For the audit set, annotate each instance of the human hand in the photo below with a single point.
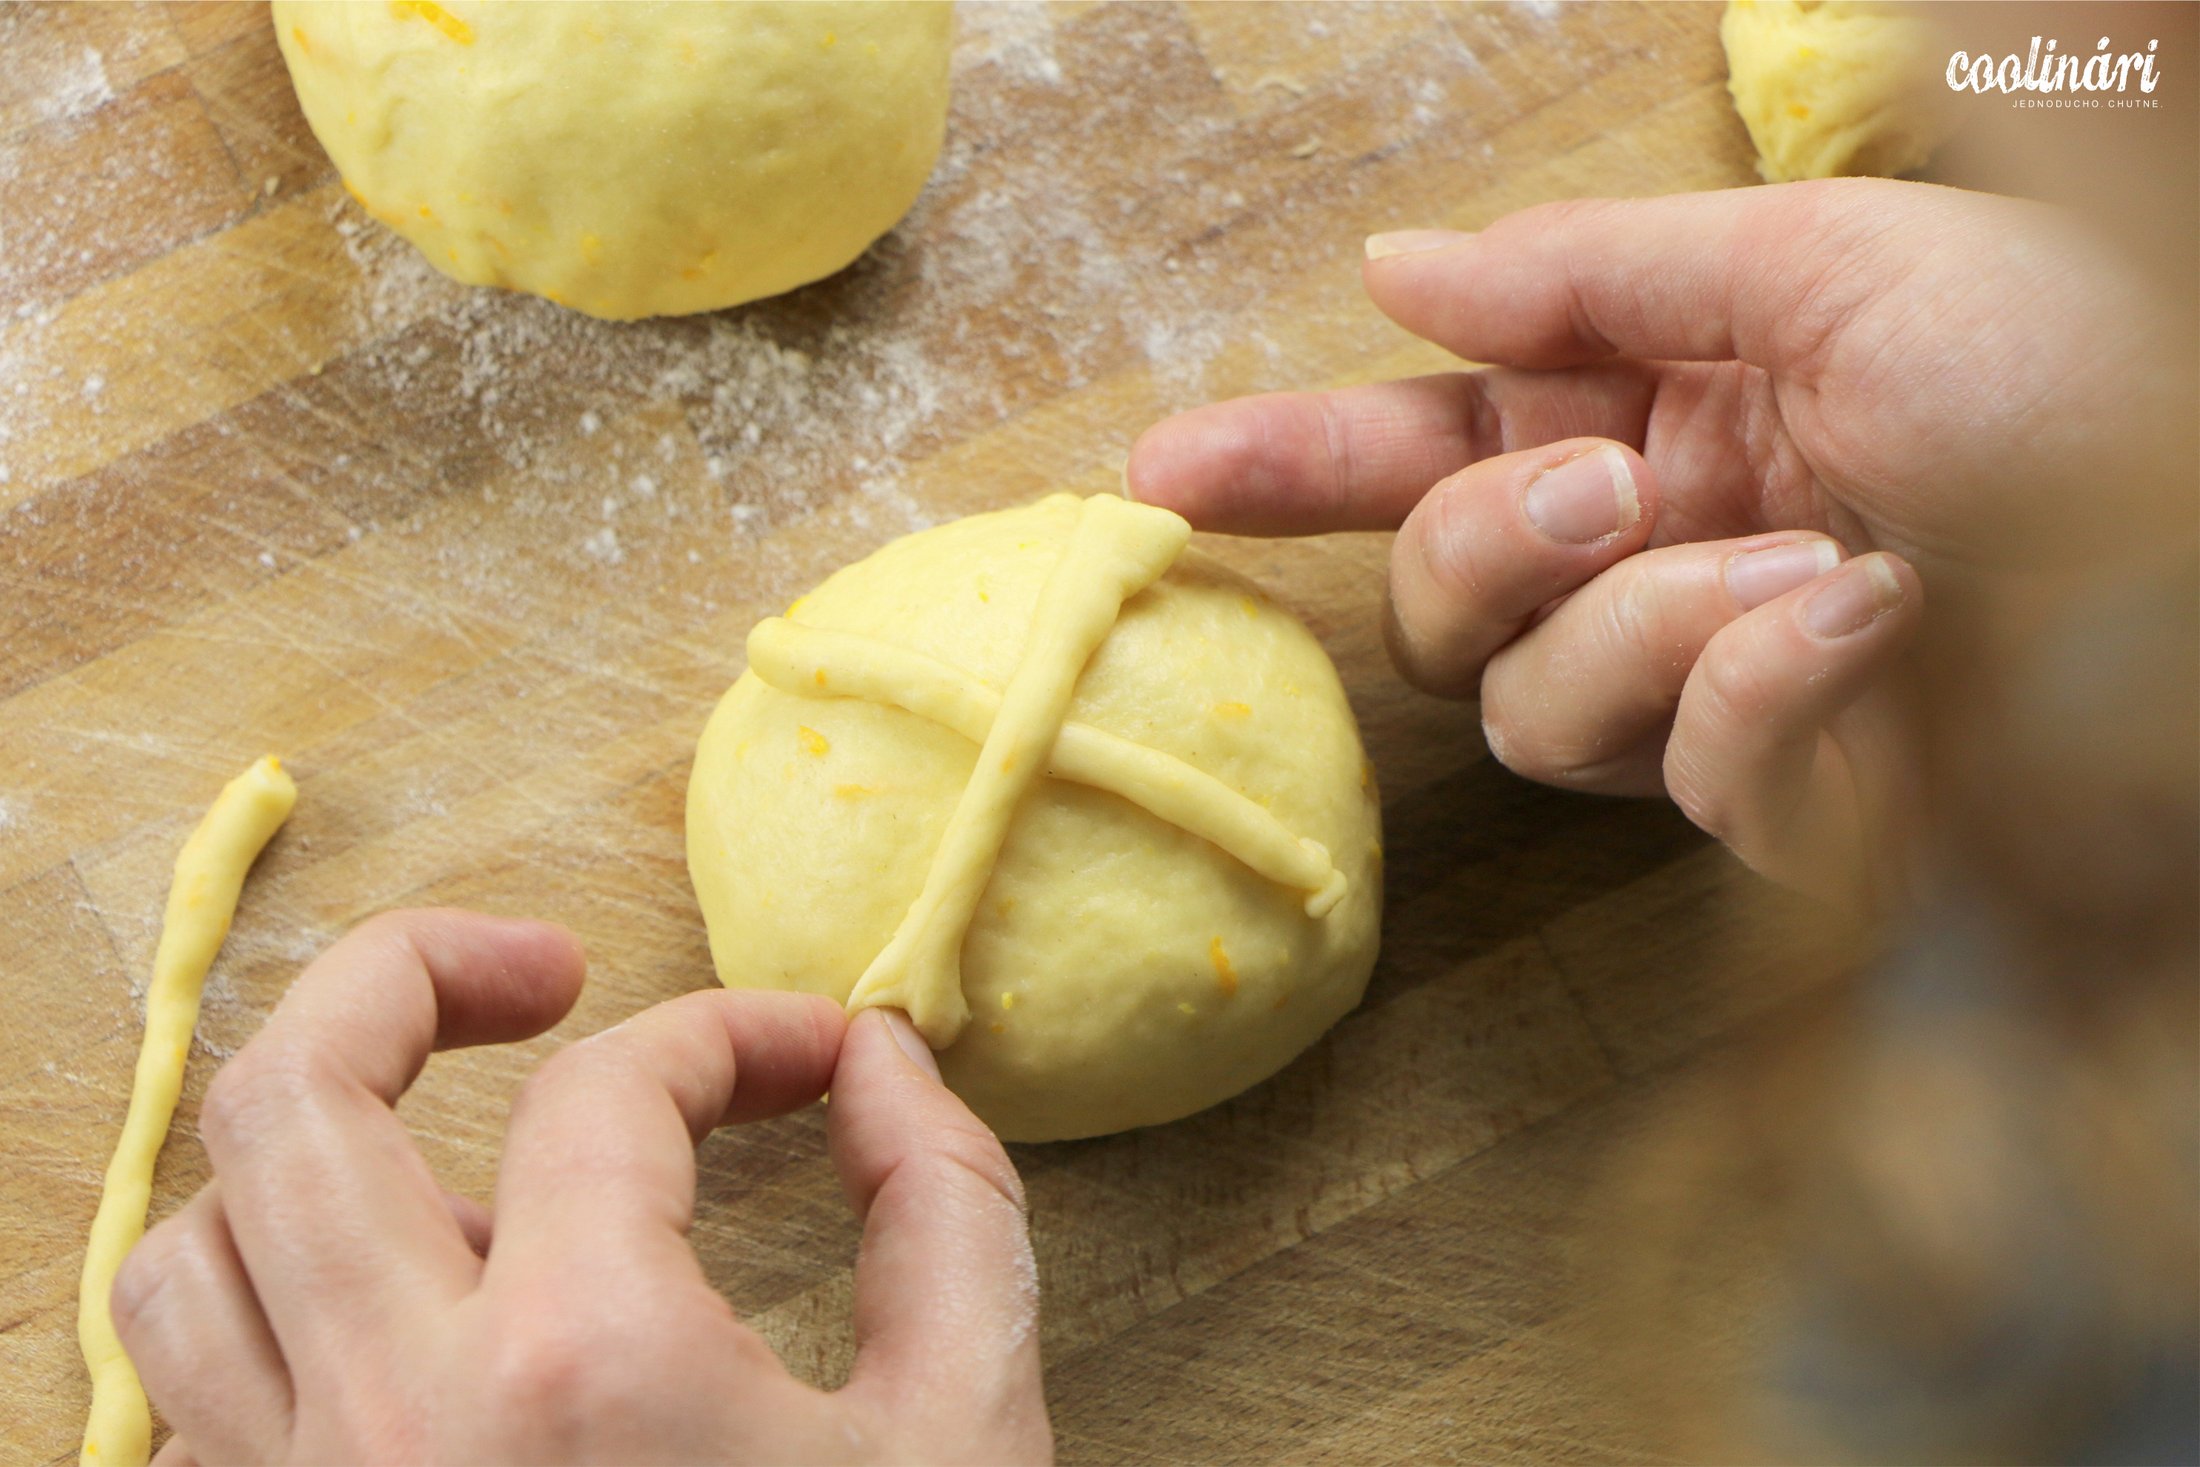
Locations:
(1670, 539)
(323, 1300)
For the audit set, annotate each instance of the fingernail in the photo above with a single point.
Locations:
(911, 1042)
(1412, 241)
(1865, 591)
(1756, 576)
(1584, 499)
(1125, 477)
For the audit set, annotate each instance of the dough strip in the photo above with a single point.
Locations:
(1116, 550)
(814, 662)
(210, 873)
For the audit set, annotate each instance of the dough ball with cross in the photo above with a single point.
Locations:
(1092, 810)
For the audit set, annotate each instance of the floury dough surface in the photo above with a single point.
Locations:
(1118, 969)
(625, 159)
(1836, 89)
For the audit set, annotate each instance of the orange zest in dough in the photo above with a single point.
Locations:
(436, 16)
(813, 742)
(1225, 976)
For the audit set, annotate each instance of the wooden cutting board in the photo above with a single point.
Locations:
(477, 568)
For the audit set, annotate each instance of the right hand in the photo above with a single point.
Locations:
(1669, 540)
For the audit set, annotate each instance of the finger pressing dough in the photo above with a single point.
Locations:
(202, 899)
(1092, 810)
(627, 159)
(1835, 88)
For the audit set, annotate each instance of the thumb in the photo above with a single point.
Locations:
(947, 1298)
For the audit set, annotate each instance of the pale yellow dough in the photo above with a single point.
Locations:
(627, 159)
(202, 899)
(1835, 89)
(1158, 882)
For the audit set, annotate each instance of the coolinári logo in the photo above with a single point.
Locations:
(2060, 78)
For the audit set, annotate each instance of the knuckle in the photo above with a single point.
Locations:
(1558, 216)
(548, 1371)
(395, 930)
(1635, 625)
(1518, 740)
(1337, 447)
(145, 1270)
(391, 926)
(1725, 698)
(558, 1363)
(973, 1152)
(258, 1083)
(1501, 730)
(1729, 689)
(1697, 790)
(567, 1070)
(1437, 605)
(1446, 543)
(1404, 647)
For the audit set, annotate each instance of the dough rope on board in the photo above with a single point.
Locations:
(1092, 810)
(202, 900)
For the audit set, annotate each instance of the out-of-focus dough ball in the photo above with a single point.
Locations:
(1119, 971)
(1835, 89)
(627, 159)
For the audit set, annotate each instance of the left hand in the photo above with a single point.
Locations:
(323, 1300)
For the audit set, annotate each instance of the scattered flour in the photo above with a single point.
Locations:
(604, 546)
(1033, 266)
(78, 86)
(1028, 267)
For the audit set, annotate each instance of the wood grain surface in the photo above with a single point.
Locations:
(478, 568)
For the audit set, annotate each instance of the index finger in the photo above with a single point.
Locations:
(946, 1289)
(599, 1159)
(339, 1221)
(1360, 458)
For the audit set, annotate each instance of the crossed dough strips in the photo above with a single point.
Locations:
(1116, 550)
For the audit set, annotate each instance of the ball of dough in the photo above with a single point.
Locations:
(627, 160)
(1119, 969)
(1835, 89)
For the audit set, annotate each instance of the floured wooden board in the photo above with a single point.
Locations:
(478, 568)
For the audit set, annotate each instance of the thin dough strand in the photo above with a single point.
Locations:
(1117, 550)
(210, 873)
(813, 662)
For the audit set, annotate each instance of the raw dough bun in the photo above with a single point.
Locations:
(1835, 89)
(627, 159)
(1119, 972)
